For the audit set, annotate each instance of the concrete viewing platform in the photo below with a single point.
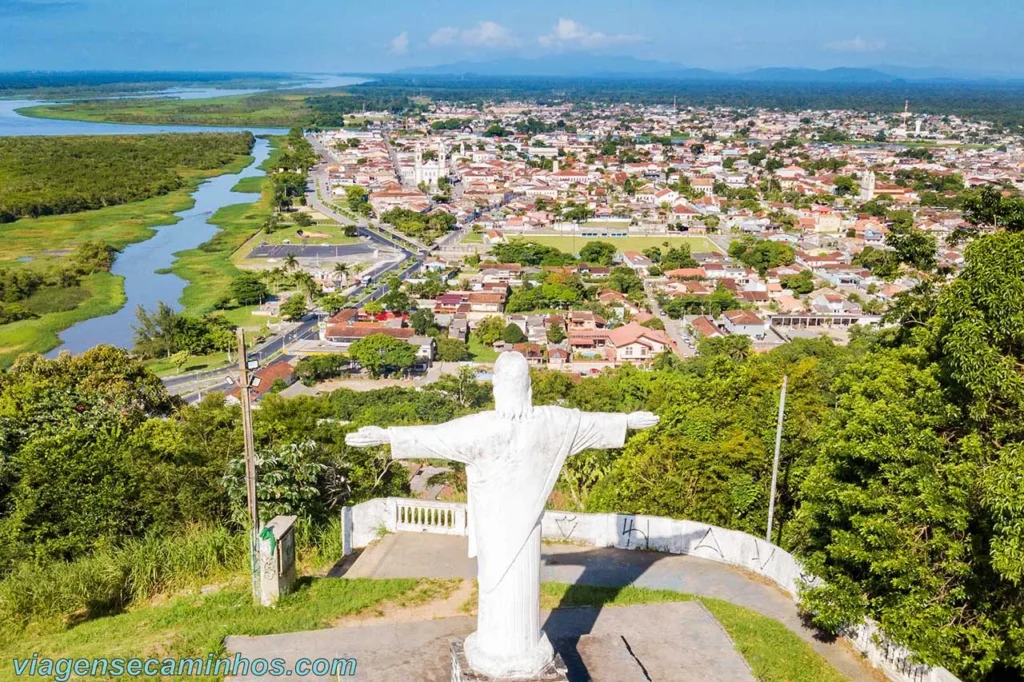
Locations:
(674, 641)
(426, 555)
(681, 642)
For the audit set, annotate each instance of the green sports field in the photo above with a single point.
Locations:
(569, 245)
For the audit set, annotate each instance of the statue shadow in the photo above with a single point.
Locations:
(607, 574)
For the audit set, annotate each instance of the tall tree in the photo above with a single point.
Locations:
(380, 354)
(156, 332)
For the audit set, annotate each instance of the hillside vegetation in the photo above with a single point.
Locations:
(900, 481)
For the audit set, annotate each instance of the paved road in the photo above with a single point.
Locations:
(676, 329)
(376, 232)
(424, 555)
(190, 386)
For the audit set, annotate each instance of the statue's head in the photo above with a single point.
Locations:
(513, 396)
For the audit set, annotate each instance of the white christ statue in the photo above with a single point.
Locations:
(513, 456)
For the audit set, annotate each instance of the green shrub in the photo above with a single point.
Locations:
(57, 592)
(56, 299)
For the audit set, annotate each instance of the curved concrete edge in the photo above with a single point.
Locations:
(366, 522)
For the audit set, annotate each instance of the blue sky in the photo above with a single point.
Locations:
(380, 35)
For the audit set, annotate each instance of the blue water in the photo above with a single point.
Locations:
(139, 262)
(13, 123)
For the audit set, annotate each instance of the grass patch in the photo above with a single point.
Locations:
(335, 235)
(480, 352)
(56, 299)
(105, 297)
(260, 109)
(252, 184)
(245, 316)
(622, 244)
(563, 595)
(774, 652)
(473, 238)
(196, 625)
(195, 363)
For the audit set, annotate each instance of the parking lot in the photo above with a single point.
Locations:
(310, 251)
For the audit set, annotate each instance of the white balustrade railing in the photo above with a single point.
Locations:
(427, 516)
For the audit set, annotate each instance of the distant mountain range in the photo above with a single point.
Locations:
(605, 66)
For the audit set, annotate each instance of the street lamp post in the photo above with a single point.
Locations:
(775, 464)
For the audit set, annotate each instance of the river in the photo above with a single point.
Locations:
(139, 262)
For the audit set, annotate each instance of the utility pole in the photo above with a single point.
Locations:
(775, 466)
(250, 466)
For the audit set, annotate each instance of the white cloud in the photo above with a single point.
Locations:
(857, 44)
(446, 35)
(571, 34)
(400, 43)
(486, 34)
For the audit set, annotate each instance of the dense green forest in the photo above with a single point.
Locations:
(901, 478)
(53, 175)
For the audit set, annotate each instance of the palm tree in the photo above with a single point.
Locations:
(305, 281)
(291, 262)
(273, 277)
(341, 269)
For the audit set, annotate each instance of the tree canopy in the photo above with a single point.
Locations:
(50, 175)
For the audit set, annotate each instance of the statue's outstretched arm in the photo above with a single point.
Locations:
(368, 436)
(642, 420)
(607, 430)
(451, 441)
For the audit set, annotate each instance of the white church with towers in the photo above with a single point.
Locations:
(429, 172)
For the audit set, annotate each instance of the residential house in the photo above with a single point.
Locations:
(705, 328)
(263, 380)
(638, 262)
(744, 322)
(635, 343)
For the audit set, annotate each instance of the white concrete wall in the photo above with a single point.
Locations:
(363, 523)
(636, 531)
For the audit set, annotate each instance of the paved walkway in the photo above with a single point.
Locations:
(424, 555)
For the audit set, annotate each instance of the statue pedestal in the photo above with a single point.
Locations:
(461, 672)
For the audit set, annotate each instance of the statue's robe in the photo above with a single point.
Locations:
(512, 464)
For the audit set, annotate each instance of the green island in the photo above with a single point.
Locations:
(51, 273)
(264, 110)
(53, 85)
